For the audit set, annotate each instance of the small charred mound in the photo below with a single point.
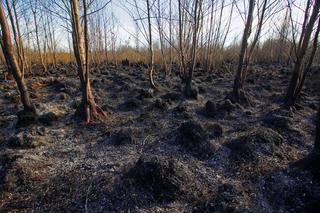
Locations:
(228, 198)
(150, 120)
(59, 86)
(165, 177)
(124, 136)
(161, 104)
(29, 138)
(214, 130)
(244, 98)
(182, 107)
(283, 119)
(220, 109)
(278, 119)
(202, 90)
(195, 138)
(172, 96)
(145, 94)
(131, 104)
(312, 82)
(210, 109)
(183, 110)
(26, 118)
(6, 163)
(253, 145)
(48, 118)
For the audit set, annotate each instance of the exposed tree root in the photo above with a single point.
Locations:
(27, 116)
(90, 111)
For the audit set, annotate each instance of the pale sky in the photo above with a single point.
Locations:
(126, 30)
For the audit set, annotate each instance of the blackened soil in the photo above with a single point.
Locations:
(157, 151)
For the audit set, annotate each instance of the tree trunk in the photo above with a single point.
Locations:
(151, 53)
(317, 141)
(240, 77)
(16, 38)
(293, 88)
(170, 38)
(88, 107)
(192, 58)
(309, 64)
(12, 63)
(38, 41)
(181, 48)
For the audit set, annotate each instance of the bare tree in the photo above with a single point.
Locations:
(34, 8)
(12, 63)
(151, 52)
(16, 35)
(240, 75)
(180, 37)
(297, 78)
(197, 9)
(88, 108)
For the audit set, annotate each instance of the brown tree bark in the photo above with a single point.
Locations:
(297, 74)
(16, 37)
(192, 58)
(240, 76)
(36, 25)
(13, 65)
(88, 108)
(181, 49)
(151, 53)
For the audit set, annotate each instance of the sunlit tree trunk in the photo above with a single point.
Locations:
(151, 53)
(88, 107)
(16, 35)
(12, 63)
(36, 25)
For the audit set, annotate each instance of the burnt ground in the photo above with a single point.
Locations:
(157, 151)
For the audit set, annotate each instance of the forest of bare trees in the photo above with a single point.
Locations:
(182, 100)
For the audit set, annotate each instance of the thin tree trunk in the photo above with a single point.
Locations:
(16, 38)
(239, 80)
(11, 60)
(170, 38)
(317, 140)
(192, 62)
(38, 41)
(181, 49)
(292, 91)
(310, 60)
(88, 107)
(151, 53)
